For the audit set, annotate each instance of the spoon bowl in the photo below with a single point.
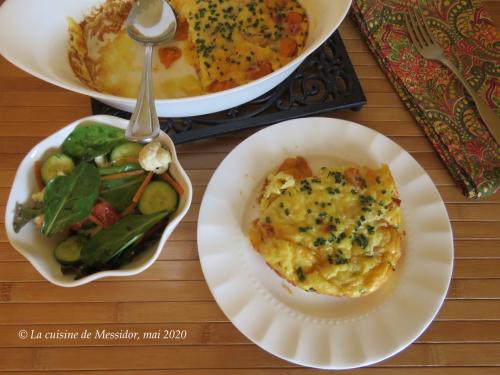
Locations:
(150, 22)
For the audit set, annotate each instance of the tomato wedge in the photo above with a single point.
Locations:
(260, 69)
(287, 47)
(217, 86)
(105, 213)
(169, 55)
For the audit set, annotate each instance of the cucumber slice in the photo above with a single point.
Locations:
(127, 152)
(68, 251)
(56, 165)
(119, 169)
(158, 196)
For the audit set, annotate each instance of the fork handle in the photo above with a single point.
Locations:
(490, 119)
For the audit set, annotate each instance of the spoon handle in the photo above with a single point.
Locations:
(144, 126)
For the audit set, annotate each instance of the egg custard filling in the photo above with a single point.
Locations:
(338, 232)
(219, 44)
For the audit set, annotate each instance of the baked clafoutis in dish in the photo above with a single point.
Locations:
(219, 44)
(338, 232)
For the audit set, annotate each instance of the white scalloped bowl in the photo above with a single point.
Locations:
(38, 249)
(41, 50)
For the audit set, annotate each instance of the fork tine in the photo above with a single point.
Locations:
(425, 27)
(418, 27)
(410, 24)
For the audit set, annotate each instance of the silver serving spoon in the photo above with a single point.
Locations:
(150, 22)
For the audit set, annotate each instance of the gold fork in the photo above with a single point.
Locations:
(425, 44)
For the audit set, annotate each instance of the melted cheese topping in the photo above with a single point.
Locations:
(337, 233)
(117, 78)
(219, 45)
(235, 42)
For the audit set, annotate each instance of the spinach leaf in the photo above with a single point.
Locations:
(91, 139)
(127, 255)
(24, 214)
(69, 199)
(111, 241)
(119, 192)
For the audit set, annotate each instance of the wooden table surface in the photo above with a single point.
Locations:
(172, 294)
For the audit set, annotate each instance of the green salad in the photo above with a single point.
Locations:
(106, 197)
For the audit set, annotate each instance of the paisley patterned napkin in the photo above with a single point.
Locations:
(429, 90)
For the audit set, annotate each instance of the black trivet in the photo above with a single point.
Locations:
(324, 82)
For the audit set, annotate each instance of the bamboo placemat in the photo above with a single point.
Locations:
(464, 338)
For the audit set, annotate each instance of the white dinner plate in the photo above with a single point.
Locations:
(307, 328)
